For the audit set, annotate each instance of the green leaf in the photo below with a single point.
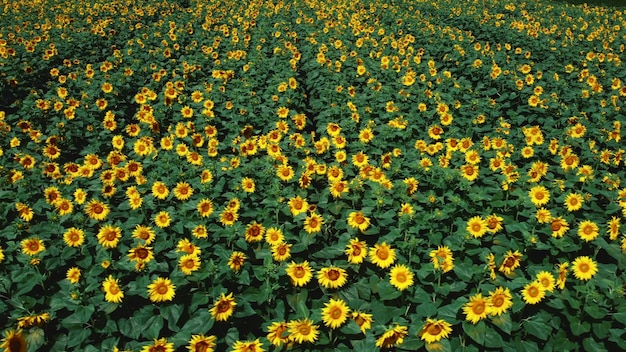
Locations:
(595, 311)
(76, 337)
(298, 303)
(590, 344)
(442, 345)
(503, 322)
(351, 328)
(537, 327)
(35, 338)
(152, 327)
(476, 331)
(579, 327)
(199, 323)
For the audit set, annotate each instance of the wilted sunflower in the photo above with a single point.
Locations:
(223, 308)
(435, 330)
(161, 290)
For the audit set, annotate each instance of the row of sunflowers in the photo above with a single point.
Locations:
(311, 175)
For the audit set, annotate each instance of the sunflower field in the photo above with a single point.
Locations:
(312, 175)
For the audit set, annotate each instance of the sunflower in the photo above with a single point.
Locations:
(539, 195)
(281, 251)
(145, 233)
(573, 201)
(201, 343)
(28, 321)
(224, 307)
(32, 246)
(186, 246)
(162, 219)
(183, 191)
(228, 217)
(13, 341)
(205, 208)
(303, 330)
(200, 231)
(278, 333)
(382, 255)
(533, 293)
(613, 228)
(338, 188)
(392, 337)
(500, 301)
(73, 275)
(435, 330)
(559, 227)
(494, 223)
(254, 232)
(543, 216)
(357, 220)
(160, 190)
(247, 346)
(442, 258)
(546, 280)
(313, 223)
(64, 206)
(97, 210)
(1, 255)
(335, 313)
(401, 277)
(300, 274)
(236, 260)
(588, 230)
(477, 226)
(160, 345)
(511, 262)
(112, 291)
(363, 320)
(274, 236)
(26, 213)
(297, 205)
(161, 290)
(285, 172)
(74, 237)
(332, 277)
(476, 309)
(584, 268)
(109, 236)
(469, 172)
